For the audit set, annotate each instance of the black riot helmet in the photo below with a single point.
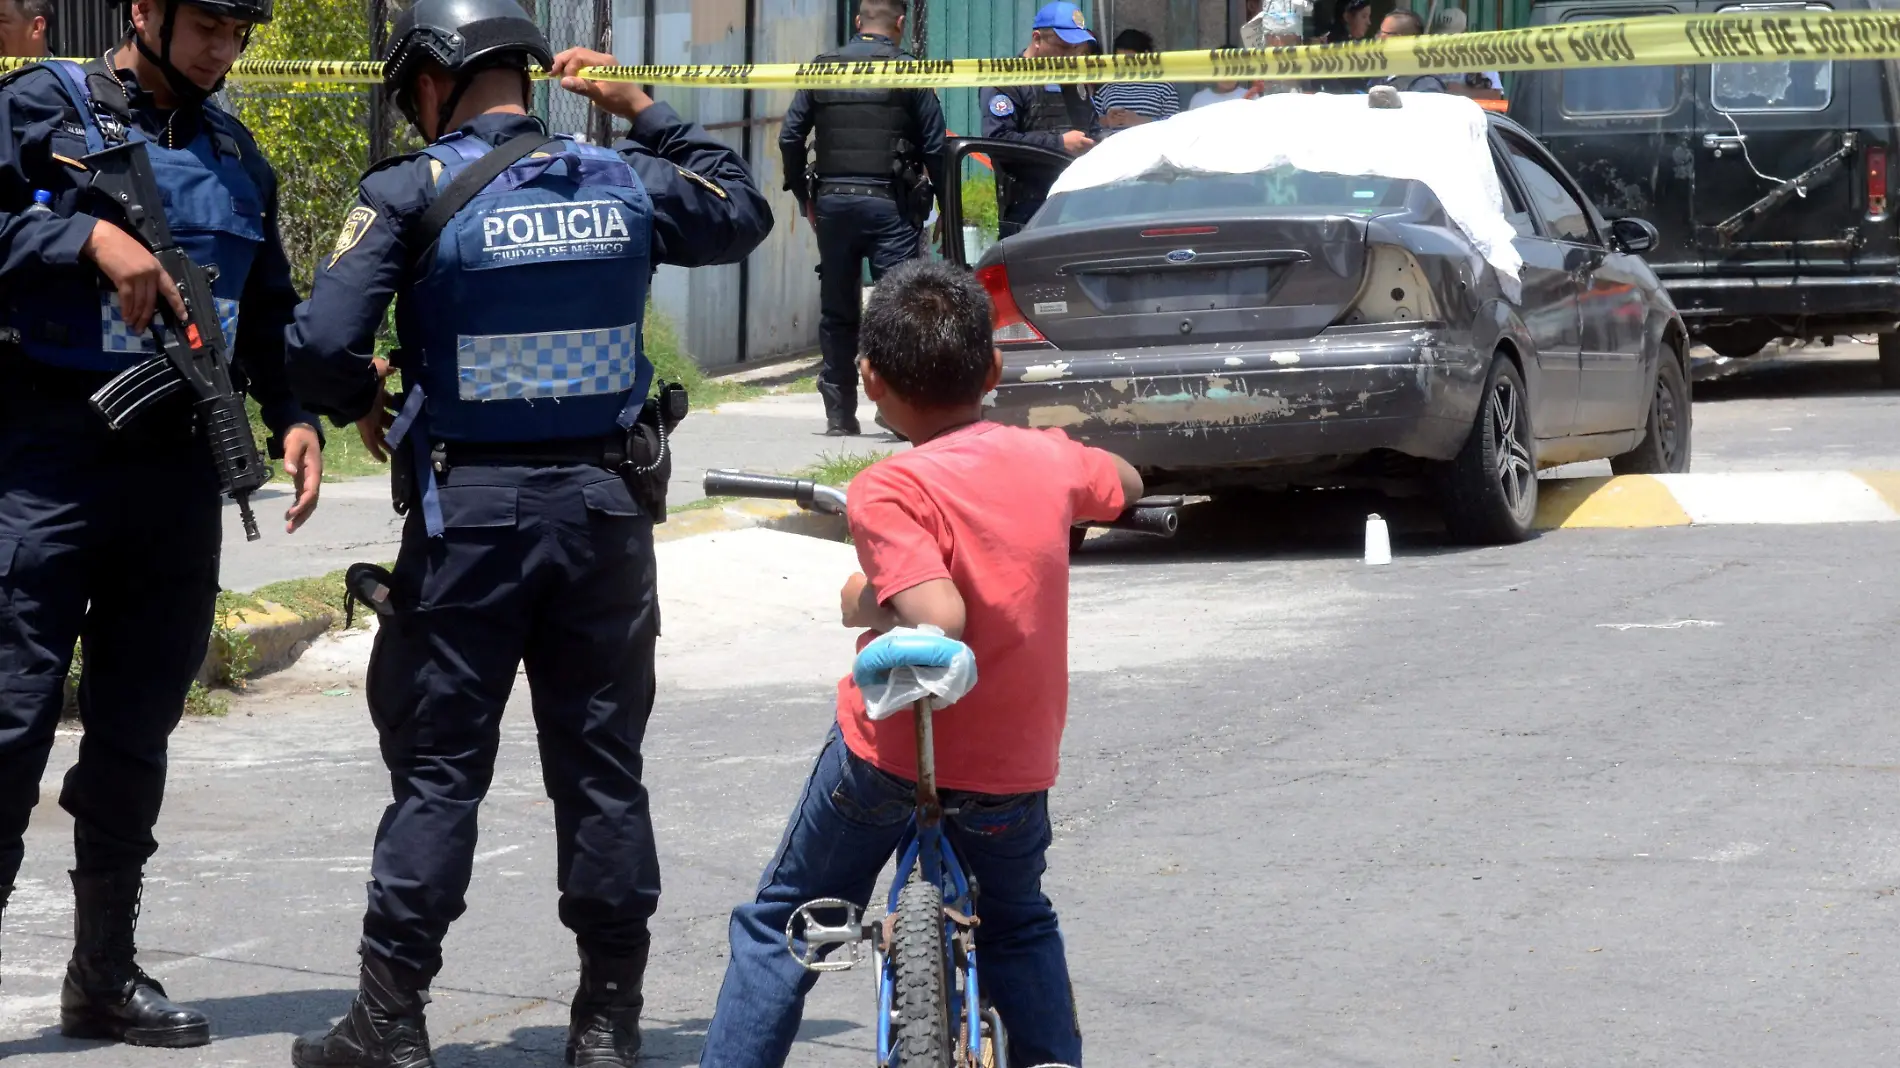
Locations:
(189, 92)
(464, 38)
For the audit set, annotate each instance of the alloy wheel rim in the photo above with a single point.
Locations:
(1516, 473)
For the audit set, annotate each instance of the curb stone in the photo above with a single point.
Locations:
(738, 515)
(277, 637)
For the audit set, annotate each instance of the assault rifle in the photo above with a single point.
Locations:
(192, 353)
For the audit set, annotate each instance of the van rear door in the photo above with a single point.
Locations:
(1626, 134)
(1781, 165)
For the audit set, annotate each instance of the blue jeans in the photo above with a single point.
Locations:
(846, 826)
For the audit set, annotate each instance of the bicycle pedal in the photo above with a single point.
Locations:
(817, 937)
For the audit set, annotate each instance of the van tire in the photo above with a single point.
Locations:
(1665, 446)
(1486, 498)
(1890, 361)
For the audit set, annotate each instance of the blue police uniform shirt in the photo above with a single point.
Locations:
(37, 120)
(705, 209)
(1007, 111)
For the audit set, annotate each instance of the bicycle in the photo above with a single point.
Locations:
(931, 1008)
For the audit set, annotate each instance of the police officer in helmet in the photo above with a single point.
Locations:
(877, 165)
(1058, 117)
(531, 476)
(115, 535)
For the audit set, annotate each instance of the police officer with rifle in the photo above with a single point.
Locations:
(143, 291)
(531, 466)
(1057, 117)
(876, 166)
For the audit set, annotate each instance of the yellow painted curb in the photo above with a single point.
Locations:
(265, 614)
(1885, 483)
(1623, 501)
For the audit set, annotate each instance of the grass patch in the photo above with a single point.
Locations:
(839, 469)
(703, 504)
(672, 363)
(808, 384)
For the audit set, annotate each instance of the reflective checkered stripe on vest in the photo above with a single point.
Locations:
(530, 312)
(216, 215)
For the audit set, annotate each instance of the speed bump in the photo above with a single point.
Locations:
(1719, 499)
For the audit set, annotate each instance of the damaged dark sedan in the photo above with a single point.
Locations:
(1228, 328)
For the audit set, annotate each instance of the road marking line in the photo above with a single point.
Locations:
(1778, 497)
(1885, 483)
(1625, 501)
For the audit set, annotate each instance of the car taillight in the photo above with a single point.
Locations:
(1876, 180)
(1007, 323)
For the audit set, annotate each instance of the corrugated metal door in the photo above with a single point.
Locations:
(969, 29)
(769, 306)
(782, 285)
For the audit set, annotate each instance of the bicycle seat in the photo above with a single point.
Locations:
(906, 665)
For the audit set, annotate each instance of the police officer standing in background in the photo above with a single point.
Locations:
(114, 535)
(532, 476)
(1057, 117)
(878, 166)
(25, 28)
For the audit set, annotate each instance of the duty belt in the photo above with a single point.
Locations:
(610, 452)
(827, 187)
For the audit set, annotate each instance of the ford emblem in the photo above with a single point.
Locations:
(1181, 255)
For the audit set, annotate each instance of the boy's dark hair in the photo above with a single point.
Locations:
(926, 332)
(1133, 40)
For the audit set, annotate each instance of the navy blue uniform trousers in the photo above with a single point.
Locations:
(551, 567)
(852, 229)
(113, 538)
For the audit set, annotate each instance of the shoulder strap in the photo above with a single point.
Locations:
(467, 185)
(73, 78)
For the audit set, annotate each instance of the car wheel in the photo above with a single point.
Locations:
(1890, 361)
(1665, 446)
(1489, 491)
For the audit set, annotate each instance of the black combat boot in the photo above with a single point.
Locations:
(384, 1028)
(841, 409)
(604, 1025)
(106, 995)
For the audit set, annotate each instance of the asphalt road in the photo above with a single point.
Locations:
(1604, 798)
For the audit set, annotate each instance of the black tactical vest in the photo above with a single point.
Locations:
(861, 133)
(1060, 112)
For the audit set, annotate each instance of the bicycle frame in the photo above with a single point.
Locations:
(924, 846)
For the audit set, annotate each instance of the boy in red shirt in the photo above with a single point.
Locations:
(967, 531)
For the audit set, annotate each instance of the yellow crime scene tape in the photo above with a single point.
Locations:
(1656, 40)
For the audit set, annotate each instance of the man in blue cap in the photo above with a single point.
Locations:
(1057, 117)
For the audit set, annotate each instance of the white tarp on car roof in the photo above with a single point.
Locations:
(1435, 138)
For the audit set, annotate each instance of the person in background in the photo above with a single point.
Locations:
(1404, 22)
(1120, 105)
(1220, 92)
(1354, 24)
(1483, 85)
(1059, 117)
(25, 28)
(876, 167)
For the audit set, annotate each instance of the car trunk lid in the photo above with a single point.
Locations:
(1145, 284)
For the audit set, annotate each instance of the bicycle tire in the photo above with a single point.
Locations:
(921, 984)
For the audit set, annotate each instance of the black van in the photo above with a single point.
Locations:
(1766, 181)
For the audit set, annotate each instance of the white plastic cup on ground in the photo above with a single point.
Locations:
(1378, 541)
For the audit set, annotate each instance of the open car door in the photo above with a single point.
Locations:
(965, 240)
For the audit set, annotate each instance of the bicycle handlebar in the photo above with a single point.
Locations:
(804, 491)
(1161, 518)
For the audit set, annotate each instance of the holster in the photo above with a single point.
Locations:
(648, 465)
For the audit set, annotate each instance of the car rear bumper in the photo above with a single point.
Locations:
(1705, 300)
(1413, 391)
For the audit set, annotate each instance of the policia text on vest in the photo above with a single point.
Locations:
(866, 183)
